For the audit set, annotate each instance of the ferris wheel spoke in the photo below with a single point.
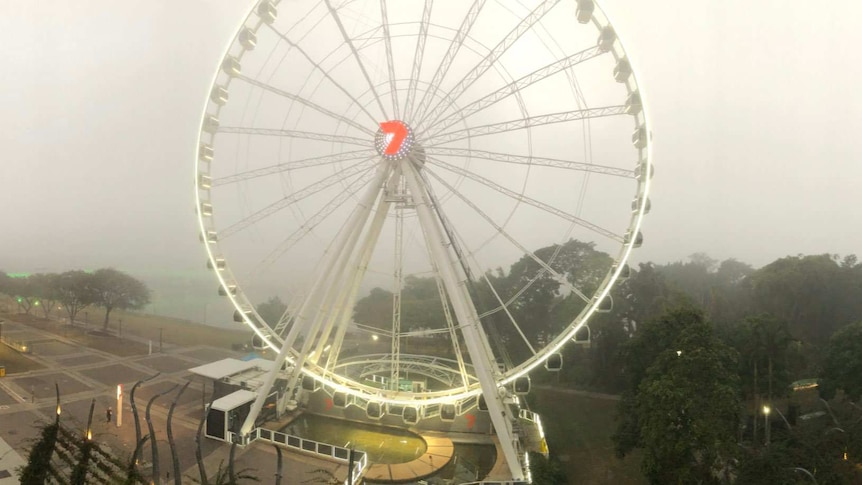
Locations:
(531, 161)
(298, 99)
(352, 171)
(505, 308)
(480, 69)
(449, 57)
(325, 73)
(314, 220)
(509, 237)
(525, 199)
(294, 165)
(457, 241)
(305, 135)
(334, 13)
(511, 88)
(418, 57)
(530, 122)
(390, 61)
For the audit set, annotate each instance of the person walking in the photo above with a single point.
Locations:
(108, 413)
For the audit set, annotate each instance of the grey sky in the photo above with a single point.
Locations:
(755, 109)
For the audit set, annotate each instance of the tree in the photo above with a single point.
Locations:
(115, 289)
(22, 289)
(5, 282)
(682, 402)
(842, 363)
(546, 471)
(75, 292)
(375, 310)
(773, 338)
(272, 310)
(45, 287)
(814, 294)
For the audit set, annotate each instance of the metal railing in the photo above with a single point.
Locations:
(338, 454)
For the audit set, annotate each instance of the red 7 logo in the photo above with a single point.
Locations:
(396, 133)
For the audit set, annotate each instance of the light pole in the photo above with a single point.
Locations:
(766, 410)
(782, 417)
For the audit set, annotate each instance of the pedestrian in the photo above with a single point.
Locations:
(108, 413)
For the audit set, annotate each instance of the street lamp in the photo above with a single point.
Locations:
(766, 410)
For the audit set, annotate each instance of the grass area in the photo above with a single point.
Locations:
(87, 331)
(578, 430)
(173, 330)
(15, 362)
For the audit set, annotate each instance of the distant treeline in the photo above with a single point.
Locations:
(811, 295)
(74, 291)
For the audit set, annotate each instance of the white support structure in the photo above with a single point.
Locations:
(465, 312)
(301, 323)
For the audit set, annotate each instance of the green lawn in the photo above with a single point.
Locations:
(578, 431)
(172, 330)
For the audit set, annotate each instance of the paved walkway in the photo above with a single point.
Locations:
(438, 454)
(85, 374)
(9, 462)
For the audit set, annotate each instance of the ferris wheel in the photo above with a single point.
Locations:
(410, 177)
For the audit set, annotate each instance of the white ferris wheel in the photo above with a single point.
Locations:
(351, 150)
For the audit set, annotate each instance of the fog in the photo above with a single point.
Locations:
(753, 106)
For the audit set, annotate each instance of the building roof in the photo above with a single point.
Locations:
(234, 400)
(230, 367)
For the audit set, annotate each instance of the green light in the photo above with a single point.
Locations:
(20, 299)
(36, 303)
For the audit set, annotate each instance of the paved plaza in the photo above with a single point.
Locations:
(85, 374)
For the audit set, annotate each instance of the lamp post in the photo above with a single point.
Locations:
(766, 410)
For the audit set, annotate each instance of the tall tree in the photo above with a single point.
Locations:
(45, 287)
(115, 289)
(24, 292)
(272, 310)
(814, 294)
(5, 281)
(75, 292)
(682, 402)
(842, 363)
(774, 339)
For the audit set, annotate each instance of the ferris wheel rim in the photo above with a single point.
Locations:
(241, 302)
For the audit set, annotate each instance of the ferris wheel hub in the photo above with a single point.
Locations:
(394, 140)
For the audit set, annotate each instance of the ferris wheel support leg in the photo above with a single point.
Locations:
(336, 289)
(357, 220)
(355, 276)
(474, 337)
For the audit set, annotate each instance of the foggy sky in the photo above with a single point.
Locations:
(755, 109)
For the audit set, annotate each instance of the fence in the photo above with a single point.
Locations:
(336, 453)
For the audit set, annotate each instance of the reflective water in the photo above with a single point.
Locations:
(382, 444)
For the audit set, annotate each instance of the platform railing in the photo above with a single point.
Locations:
(338, 454)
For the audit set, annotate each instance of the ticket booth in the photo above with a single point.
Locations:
(228, 413)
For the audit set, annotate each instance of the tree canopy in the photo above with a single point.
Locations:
(271, 310)
(682, 400)
(114, 289)
(842, 366)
